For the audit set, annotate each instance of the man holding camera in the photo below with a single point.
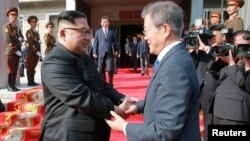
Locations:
(203, 57)
(231, 101)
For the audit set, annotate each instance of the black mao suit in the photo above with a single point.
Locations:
(76, 99)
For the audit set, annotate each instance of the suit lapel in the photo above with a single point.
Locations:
(169, 53)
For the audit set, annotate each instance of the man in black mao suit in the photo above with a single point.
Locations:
(170, 107)
(105, 49)
(76, 98)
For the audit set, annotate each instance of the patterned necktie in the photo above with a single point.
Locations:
(156, 64)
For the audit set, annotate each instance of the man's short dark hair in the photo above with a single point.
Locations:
(105, 18)
(70, 16)
(218, 27)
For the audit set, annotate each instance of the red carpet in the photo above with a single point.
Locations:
(23, 118)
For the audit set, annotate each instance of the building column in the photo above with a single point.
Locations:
(70, 4)
(196, 10)
(5, 4)
(245, 15)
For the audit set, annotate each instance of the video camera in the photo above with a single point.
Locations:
(243, 50)
(192, 42)
(222, 50)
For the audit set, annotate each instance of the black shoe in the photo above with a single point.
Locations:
(142, 74)
(34, 83)
(11, 89)
(15, 88)
(30, 84)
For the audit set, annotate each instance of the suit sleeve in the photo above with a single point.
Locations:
(170, 109)
(64, 83)
(96, 43)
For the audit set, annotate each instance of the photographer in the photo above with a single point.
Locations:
(231, 102)
(243, 38)
(208, 70)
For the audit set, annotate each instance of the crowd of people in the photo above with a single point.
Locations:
(211, 75)
(222, 68)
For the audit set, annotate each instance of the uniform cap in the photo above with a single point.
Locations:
(32, 17)
(215, 13)
(49, 23)
(12, 9)
(240, 3)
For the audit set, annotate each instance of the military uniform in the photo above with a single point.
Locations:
(235, 23)
(32, 53)
(13, 38)
(49, 39)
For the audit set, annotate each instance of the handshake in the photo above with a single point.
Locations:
(121, 112)
(127, 107)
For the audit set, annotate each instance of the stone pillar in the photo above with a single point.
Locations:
(70, 4)
(245, 15)
(5, 4)
(196, 10)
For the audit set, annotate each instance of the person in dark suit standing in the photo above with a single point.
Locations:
(143, 54)
(13, 38)
(33, 53)
(170, 107)
(49, 38)
(76, 98)
(105, 48)
(133, 48)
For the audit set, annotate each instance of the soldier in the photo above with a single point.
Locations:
(235, 21)
(13, 37)
(33, 50)
(49, 38)
(215, 18)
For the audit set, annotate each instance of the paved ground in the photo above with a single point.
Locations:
(7, 96)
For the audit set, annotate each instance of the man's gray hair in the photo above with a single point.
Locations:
(165, 12)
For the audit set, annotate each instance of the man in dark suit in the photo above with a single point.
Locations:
(231, 101)
(105, 48)
(143, 54)
(170, 108)
(133, 48)
(13, 38)
(76, 98)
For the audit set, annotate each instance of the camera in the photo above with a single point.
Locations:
(243, 50)
(222, 50)
(192, 42)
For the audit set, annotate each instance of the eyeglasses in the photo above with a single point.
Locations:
(83, 31)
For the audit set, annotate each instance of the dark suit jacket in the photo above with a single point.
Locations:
(76, 99)
(141, 48)
(103, 44)
(170, 107)
(231, 101)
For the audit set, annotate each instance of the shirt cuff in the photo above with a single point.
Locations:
(208, 49)
(124, 128)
